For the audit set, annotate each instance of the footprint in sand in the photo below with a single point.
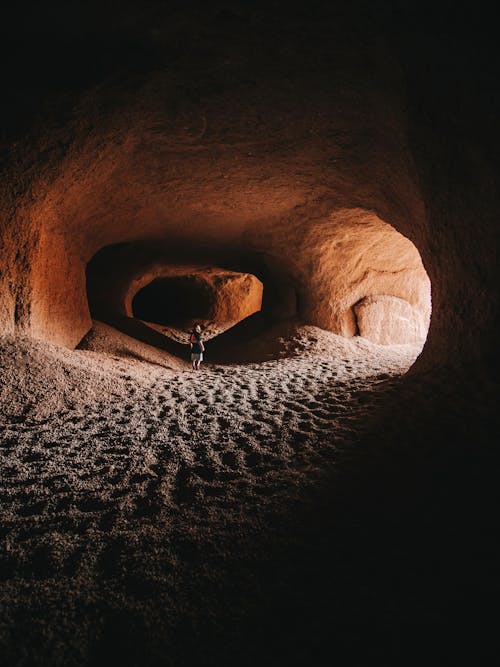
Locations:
(243, 443)
(147, 508)
(107, 521)
(52, 445)
(206, 473)
(186, 487)
(92, 505)
(33, 457)
(119, 492)
(298, 439)
(272, 460)
(139, 478)
(250, 427)
(223, 422)
(265, 419)
(320, 415)
(63, 504)
(215, 491)
(229, 476)
(253, 460)
(33, 509)
(230, 459)
(305, 426)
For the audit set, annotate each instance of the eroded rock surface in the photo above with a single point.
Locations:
(387, 320)
(257, 513)
(205, 293)
(310, 189)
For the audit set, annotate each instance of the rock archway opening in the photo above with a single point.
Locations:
(215, 298)
(355, 277)
(154, 293)
(364, 279)
(337, 152)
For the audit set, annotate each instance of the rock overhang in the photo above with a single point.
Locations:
(230, 154)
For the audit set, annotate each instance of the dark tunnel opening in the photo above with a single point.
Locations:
(168, 290)
(169, 300)
(160, 285)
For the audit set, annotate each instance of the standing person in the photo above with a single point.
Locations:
(197, 347)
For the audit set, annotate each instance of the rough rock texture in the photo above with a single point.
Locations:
(135, 281)
(256, 153)
(276, 511)
(311, 187)
(387, 320)
(215, 294)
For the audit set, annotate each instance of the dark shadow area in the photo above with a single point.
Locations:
(173, 299)
(255, 339)
(145, 334)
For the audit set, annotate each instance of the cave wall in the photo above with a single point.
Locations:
(260, 144)
(148, 180)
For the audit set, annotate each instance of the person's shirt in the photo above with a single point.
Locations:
(195, 340)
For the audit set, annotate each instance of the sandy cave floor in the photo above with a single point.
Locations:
(157, 515)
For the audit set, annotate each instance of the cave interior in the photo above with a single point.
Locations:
(317, 187)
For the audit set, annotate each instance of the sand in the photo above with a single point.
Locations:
(154, 515)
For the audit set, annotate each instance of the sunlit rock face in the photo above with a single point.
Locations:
(387, 320)
(358, 256)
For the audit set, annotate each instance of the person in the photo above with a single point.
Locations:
(197, 347)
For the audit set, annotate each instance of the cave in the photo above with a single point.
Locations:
(137, 281)
(356, 275)
(194, 297)
(317, 188)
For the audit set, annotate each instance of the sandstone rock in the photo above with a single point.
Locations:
(301, 210)
(204, 293)
(387, 320)
(310, 172)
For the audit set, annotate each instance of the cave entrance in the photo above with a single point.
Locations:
(156, 291)
(215, 298)
(352, 275)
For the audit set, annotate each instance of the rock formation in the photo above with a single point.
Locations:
(388, 320)
(289, 175)
(331, 167)
(319, 202)
(135, 280)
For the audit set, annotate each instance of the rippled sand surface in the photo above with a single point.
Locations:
(154, 515)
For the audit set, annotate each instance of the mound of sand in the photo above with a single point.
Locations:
(39, 379)
(139, 499)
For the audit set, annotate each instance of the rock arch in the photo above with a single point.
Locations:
(160, 163)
